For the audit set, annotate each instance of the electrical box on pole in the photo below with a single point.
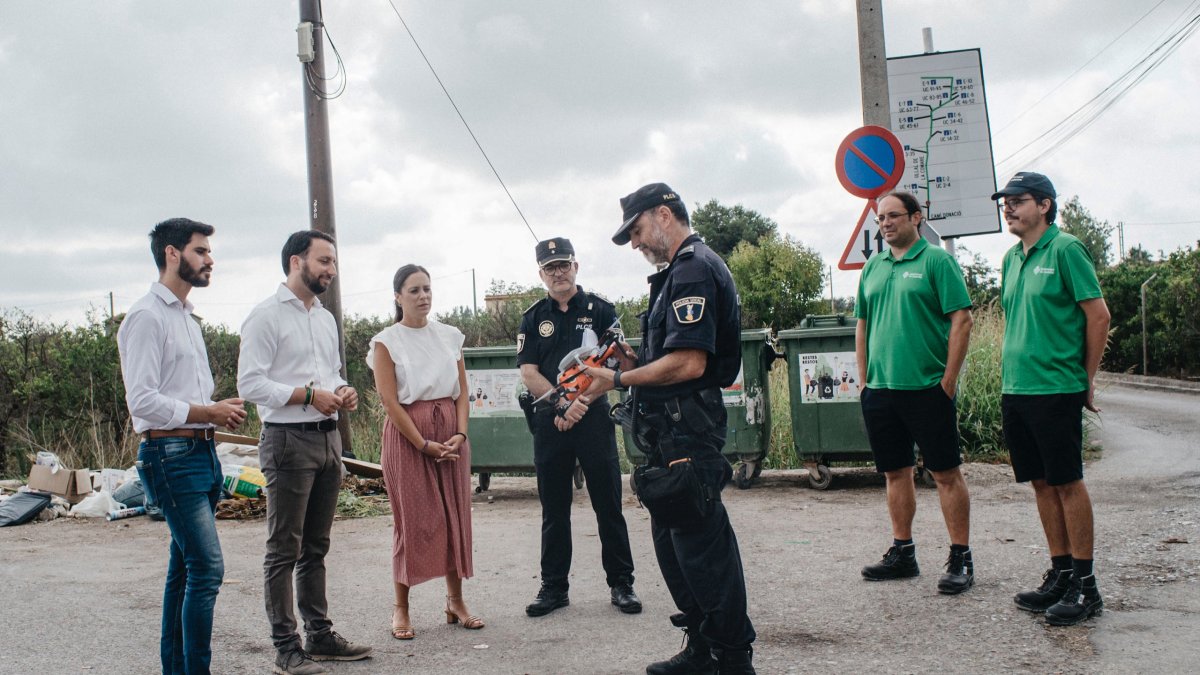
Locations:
(304, 38)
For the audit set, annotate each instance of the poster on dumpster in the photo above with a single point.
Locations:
(493, 393)
(828, 377)
(735, 393)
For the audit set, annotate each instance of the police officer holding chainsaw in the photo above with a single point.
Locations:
(565, 431)
(691, 349)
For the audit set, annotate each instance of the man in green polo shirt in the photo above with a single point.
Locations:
(1056, 328)
(914, 323)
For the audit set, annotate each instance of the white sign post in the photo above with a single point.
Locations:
(939, 113)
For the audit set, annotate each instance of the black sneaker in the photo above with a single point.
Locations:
(330, 646)
(296, 662)
(548, 600)
(898, 563)
(1054, 586)
(695, 658)
(1081, 602)
(625, 599)
(960, 573)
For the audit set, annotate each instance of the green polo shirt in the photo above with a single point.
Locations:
(906, 304)
(1045, 329)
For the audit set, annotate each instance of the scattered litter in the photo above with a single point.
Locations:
(96, 505)
(244, 481)
(241, 509)
(1175, 540)
(481, 646)
(22, 508)
(130, 512)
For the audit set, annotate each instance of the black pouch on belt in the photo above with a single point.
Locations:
(674, 495)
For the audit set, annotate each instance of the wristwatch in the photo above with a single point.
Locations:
(617, 381)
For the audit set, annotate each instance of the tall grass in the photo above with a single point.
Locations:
(979, 424)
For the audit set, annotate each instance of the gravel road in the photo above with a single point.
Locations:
(83, 597)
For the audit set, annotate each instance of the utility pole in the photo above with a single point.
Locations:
(474, 298)
(1121, 241)
(832, 308)
(320, 169)
(872, 64)
(1145, 347)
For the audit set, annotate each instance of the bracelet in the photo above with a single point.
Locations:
(426, 446)
(617, 380)
(308, 395)
(460, 434)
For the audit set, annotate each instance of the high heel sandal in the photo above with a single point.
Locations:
(471, 622)
(403, 632)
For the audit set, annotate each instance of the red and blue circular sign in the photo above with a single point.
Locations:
(870, 162)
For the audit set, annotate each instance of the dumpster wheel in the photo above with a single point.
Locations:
(746, 472)
(823, 479)
(485, 481)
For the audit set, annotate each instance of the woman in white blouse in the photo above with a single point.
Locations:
(426, 458)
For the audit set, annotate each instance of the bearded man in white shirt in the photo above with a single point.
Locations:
(289, 367)
(169, 388)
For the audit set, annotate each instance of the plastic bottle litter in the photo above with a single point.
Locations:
(130, 512)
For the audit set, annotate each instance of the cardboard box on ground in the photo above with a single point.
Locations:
(70, 484)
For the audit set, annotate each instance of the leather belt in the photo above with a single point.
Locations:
(325, 425)
(205, 434)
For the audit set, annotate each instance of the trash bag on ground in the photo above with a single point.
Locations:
(95, 505)
(22, 508)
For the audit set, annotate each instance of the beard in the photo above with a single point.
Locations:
(655, 248)
(313, 283)
(192, 275)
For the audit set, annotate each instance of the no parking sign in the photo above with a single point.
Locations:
(870, 161)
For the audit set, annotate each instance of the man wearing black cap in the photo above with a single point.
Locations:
(568, 318)
(690, 350)
(1056, 328)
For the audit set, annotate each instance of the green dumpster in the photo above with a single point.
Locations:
(823, 387)
(500, 439)
(748, 403)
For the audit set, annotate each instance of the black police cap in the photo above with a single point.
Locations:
(633, 204)
(554, 250)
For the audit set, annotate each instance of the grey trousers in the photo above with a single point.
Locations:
(304, 474)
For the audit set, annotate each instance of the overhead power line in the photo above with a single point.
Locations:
(463, 119)
(1083, 117)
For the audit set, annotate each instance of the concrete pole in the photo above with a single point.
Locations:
(1145, 348)
(872, 64)
(320, 178)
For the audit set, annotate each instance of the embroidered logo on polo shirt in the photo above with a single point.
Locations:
(688, 310)
(546, 328)
(913, 275)
(1043, 270)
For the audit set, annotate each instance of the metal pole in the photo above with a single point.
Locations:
(1121, 241)
(927, 42)
(832, 309)
(872, 64)
(1145, 349)
(320, 177)
(474, 297)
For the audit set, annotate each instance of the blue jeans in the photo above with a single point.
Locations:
(183, 477)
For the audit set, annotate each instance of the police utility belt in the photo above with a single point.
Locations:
(672, 491)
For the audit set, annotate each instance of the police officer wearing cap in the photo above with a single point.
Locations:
(691, 349)
(567, 318)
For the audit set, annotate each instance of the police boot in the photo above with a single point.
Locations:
(1081, 601)
(734, 661)
(695, 659)
(1054, 586)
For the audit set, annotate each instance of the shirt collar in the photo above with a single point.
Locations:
(692, 238)
(1050, 233)
(284, 294)
(170, 298)
(913, 251)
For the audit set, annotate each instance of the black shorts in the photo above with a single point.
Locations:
(896, 418)
(1044, 435)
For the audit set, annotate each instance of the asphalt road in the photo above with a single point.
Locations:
(84, 597)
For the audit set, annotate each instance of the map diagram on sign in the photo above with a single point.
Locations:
(939, 113)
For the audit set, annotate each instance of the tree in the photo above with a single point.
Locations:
(1138, 256)
(724, 227)
(983, 282)
(1095, 234)
(779, 281)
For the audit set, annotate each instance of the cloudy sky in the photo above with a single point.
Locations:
(119, 114)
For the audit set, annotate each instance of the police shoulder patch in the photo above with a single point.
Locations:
(689, 309)
(520, 342)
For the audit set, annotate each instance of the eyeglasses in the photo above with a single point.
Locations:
(1012, 204)
(557, 269)
(894, 215)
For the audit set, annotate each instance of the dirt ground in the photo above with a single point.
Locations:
(84, 597)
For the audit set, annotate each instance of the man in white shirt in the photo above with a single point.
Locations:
(169, 388)
(289, 367)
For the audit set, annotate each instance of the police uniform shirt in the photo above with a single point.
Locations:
(547, 333)
(693, 305)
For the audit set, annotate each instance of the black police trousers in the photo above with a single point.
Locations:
(702, 565)
(593, 443)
